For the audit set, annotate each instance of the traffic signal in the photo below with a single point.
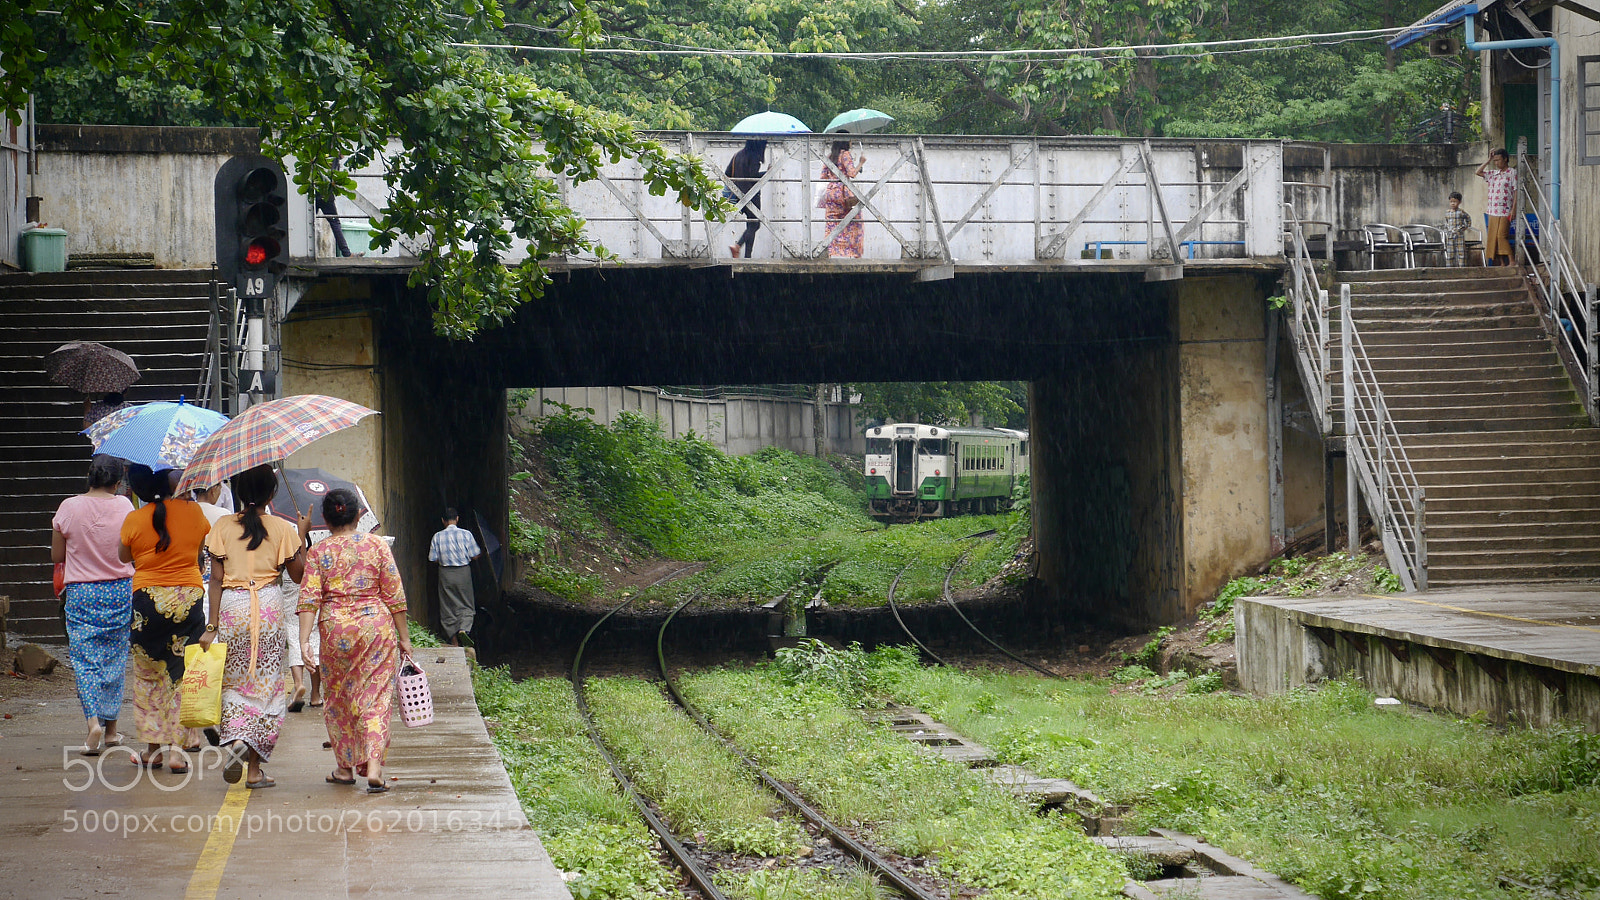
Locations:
(252, 206)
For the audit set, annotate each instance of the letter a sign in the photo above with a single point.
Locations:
(257, 381)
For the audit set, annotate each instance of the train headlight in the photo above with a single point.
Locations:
(936, 473)
(872, 471)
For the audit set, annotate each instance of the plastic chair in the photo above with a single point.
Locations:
(1378, 240)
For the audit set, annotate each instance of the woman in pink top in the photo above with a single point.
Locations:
(87, 535)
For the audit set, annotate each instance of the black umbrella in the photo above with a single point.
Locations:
(91, 368)
(306, 488)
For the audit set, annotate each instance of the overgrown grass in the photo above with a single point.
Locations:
(1347, 800)
(1294, 576)
(700, 788)
(422, 637)
(567, 791)
(763, 522)
(802, 884)
(801, 728)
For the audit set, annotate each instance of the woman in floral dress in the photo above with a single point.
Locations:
(353, 596)
(251, 547)
(162, 539)
(838, 200)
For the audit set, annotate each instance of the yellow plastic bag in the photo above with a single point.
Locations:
(201, 691)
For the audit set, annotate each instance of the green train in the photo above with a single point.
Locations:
(931, 472)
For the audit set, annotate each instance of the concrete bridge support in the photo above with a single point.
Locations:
(1152, 454)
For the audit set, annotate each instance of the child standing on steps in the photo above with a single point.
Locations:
(1454, 231)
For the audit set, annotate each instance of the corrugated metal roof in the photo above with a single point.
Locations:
(1445, 17)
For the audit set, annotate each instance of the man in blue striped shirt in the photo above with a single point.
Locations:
(454, 549)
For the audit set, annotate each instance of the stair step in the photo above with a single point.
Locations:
(1511, 399)
(1426, 273)
(1504, 465)
(1510, 534)
(1442, 576)
(1558, 518)
(1444, 324)
(1475, 336)
(1521, 471)
(1537, 362)
(1465, 295)
(38, 628)
(1528, 503)
(1441, 490)
(1512, 544)
(1427, 347)
(35, 280)
(1361, 289)
(1442, 425)
(130, 290)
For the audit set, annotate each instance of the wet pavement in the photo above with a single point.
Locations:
(75, 826)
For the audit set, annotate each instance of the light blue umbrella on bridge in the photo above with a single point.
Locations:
(858, 121)
(770, 122)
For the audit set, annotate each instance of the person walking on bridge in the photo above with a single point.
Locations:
(353, 598)
(838, 199)
(251, 547)
(744, 170)
(454, 548)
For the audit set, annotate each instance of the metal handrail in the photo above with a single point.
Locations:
(1568, 300)
(1308, 323)
(1378, 460)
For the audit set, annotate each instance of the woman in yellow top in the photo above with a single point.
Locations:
(250, 548)
(162, 539)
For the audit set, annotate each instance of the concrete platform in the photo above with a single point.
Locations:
(450, 825)
(1526, 653)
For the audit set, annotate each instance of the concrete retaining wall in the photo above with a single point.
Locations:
(736, 424)
(1279, 650)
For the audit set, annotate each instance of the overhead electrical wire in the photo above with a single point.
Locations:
(1127, 51)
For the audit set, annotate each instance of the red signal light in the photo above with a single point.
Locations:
(255, 254)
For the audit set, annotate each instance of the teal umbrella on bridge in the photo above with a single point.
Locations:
(858, 121)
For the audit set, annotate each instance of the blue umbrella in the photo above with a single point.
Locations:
(161, 435)
(770, 122)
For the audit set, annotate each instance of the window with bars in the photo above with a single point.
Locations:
(1589, 110)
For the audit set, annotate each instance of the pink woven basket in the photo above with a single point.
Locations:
(416, 701)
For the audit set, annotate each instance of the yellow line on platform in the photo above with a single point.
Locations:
(213, 860)
(1479, 612)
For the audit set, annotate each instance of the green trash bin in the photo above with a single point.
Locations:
(44, 250)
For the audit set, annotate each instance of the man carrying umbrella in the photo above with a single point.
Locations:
(454, 548)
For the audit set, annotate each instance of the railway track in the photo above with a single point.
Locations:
(950, 599)
(698, 877)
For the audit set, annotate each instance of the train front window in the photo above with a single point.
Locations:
(878, 446)
(931, 447)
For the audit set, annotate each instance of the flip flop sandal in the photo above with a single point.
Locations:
(377, 787)
(297, 706)
(194, 749)
(87, 750)
(178, 770)
(212, 737)
(143, 763)
(334, 779)
(234, 769)
(261, 783)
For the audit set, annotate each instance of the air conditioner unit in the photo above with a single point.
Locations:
(1444, 47)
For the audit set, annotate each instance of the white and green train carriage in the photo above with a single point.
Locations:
(930, 472)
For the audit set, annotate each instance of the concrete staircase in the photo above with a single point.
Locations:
(159, 317)
(1495, 431)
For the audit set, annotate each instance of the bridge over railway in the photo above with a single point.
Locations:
(1126, 280)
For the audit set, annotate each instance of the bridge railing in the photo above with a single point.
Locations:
(1378, 461)
(967, 200)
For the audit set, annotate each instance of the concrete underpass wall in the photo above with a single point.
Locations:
(1105, 456)
(737, 424)
(1223, 399)
(441, 438)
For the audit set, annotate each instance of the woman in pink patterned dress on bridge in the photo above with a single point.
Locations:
(352, 594)
(837, 201)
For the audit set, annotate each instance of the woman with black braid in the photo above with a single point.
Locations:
(248, 551)
(162, 539)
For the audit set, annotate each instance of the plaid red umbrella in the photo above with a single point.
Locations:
(91, 368)
(268, 433)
